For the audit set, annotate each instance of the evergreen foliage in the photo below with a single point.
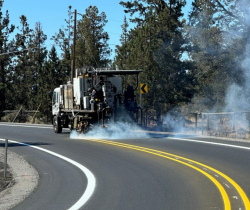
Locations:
(6, 59)
(156, 46)
(92, 48)
(215, 41)
(218, 34)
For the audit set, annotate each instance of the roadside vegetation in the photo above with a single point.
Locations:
(191, 65)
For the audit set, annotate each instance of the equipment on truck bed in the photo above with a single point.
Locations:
(95, 98)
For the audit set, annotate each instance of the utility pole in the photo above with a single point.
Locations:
(74, 50)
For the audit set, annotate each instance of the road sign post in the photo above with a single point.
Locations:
(140, 100)
(143, 90)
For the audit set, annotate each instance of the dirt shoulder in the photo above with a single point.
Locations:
(20, 182)
(5, 182)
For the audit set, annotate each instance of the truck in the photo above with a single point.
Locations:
(94, 97)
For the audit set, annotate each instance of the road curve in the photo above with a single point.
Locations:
(91, 181)
(131, 179)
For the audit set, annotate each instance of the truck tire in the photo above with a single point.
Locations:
(57, 125)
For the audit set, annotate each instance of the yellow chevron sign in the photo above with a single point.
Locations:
(143, 88)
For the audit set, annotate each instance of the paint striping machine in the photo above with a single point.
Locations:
(94, 97)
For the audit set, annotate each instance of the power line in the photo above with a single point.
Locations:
(18, 51)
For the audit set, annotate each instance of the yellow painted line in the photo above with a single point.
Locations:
(242, 194)
(227, 205)
(236, 186)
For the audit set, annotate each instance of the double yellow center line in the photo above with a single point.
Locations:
(190, 163)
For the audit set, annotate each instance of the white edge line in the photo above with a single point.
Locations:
(208, 142)
(90, 176)
(28, 126)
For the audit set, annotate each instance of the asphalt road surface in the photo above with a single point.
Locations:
(157, 172)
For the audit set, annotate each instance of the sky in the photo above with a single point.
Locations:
(52, 14)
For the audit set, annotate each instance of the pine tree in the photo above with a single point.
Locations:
(214, 28)
(56, 74)
(64, 39)
(5, 57)
(39, 54)
(156, 46)
(234, 22)
(23, 79)
(92, 48)
(122, 52)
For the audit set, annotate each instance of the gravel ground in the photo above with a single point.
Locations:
(21, 180)
(5, 182)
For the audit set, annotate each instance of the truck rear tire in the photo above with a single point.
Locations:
(57, 125)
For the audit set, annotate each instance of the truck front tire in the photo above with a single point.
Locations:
(57, 124)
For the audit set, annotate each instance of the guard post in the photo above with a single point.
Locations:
(5, 157)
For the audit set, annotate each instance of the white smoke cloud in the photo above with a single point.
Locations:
(117, 130)
(173, 122)
(237, 98)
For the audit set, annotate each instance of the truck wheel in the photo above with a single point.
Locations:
(57, 125)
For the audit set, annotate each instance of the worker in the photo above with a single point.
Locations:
(93, 92)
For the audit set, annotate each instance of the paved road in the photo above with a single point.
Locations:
(211, 177)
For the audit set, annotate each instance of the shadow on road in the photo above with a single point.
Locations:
(152, 135)
(63, 133)
(10, 144)
(157, 135)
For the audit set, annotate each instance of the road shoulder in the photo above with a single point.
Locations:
(25, 181)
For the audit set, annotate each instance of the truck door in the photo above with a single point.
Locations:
(55, 102)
